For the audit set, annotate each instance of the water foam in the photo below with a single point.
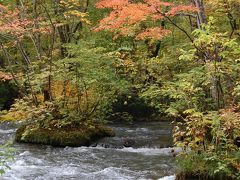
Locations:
(173, 177)
(3, 131)
(151, 151)
(113, 173)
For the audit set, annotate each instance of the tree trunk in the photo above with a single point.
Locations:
(64, 32)
(201, 17)
(217, 92)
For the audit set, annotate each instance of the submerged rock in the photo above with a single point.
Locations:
(61, 137)
(128, 143)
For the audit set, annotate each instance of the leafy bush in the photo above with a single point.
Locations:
(210, 143)
(82, 87)
(6, 155)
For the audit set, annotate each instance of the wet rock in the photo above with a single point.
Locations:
(128, 143)
(93, 145)
(105, 145)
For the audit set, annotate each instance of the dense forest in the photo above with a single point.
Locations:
(69, 68)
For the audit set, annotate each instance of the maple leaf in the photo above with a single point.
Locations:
(154, 33)
(126, 15)
(13, 23)
(111, 3)
(181, 8)
(158, 4)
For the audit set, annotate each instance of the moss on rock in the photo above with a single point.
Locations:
(61, 137)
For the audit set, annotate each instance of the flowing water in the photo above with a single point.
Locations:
(136, 152)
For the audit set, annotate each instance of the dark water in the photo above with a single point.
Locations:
(148, 157)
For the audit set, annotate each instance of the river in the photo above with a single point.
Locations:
(139, 151)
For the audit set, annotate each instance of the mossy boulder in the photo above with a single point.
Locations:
(61, 137)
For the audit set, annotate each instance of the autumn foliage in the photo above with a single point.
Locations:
(15, 23)
(5, 76)
(12, 23)
(127, 18)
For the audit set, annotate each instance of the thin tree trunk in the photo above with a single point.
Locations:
(201, 17)
(78, 92)
(217, 92)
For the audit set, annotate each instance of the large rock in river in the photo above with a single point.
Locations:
(61, 137)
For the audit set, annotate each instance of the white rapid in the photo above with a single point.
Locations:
(137, 152)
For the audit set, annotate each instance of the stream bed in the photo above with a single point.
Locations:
(139, 151)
